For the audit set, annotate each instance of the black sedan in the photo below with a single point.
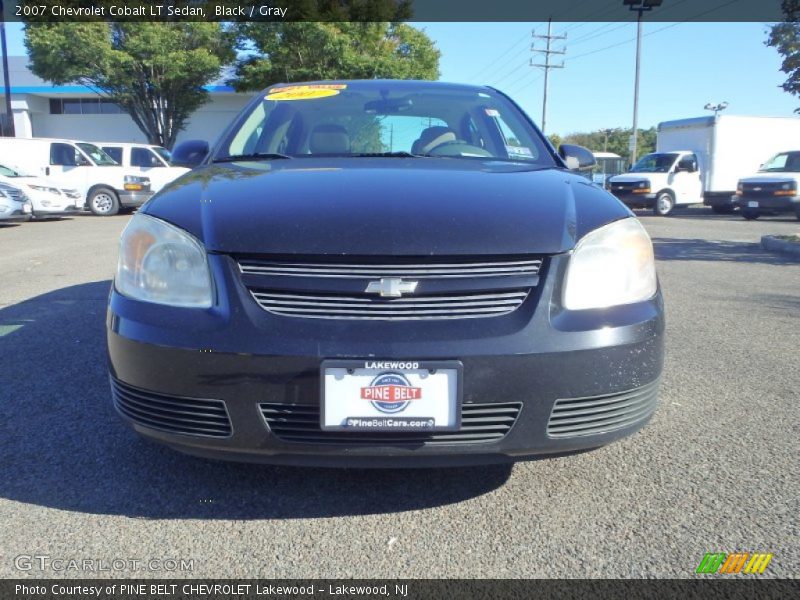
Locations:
(384, 273)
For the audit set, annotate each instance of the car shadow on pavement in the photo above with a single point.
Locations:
(716, 250)
(63, 445)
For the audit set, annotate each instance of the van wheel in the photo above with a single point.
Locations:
(722, 209)
(750, 215)
(664, 204)
(103, 202)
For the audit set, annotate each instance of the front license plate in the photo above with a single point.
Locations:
(406, 395)
(752, 204)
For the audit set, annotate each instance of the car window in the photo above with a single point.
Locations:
(65, 155)
(143, 157)
(6, 172)
(360, 118)
(99, 157)
(114, 152)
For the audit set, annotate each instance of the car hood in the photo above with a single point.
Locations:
(365, 206)
(772, 177)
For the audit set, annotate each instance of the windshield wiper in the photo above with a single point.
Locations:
(399, 154)
(251, 156)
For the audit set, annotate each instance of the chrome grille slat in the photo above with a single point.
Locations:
(601, 414)
(416, 271)
(173, 414)
(298, 423)
(318, 289)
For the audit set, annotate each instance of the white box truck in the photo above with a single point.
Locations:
(702, 159)
(104, 186)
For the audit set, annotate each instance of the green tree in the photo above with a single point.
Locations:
(287, 52)
(153, 71)
(614, 140)
(785, 37)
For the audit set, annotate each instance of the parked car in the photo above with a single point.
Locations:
(773, 189)
(14, 204)
(144, 159)
(47, 199)
(720, 149)
(105, 186)
(384, 273)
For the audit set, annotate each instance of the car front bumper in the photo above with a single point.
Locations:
(769, 203)
(636, 200)
(132, 199)
(168, 364)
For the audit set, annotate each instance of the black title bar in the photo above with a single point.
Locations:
(394, 10)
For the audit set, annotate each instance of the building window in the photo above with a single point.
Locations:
(83, 106)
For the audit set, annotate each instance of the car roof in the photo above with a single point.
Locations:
(407, 85)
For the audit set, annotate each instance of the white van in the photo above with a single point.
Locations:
(701, 160)
(144, 159)
(104, 185)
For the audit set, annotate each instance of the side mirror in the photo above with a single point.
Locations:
(687, 165)
(190, 153)
(577, 158)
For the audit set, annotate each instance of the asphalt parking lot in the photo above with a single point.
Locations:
(715, 471)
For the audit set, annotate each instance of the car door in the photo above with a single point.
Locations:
(68, 167)
(686, 180)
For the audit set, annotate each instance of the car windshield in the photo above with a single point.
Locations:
(785, 162)
(6, 172)
(384, 118)
(98, 157)
(163, 153)
(655, 163)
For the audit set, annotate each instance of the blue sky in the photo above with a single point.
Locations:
(684, 66)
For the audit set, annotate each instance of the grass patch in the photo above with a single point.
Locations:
(795, 239)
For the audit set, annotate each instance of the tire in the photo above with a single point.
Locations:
(103, 202)
(722, 209)
(750, 215)
(664, 204)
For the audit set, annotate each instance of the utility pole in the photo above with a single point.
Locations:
(547, 64)
(640, 6)
(9, 128)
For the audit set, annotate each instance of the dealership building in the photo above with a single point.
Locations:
(76, 112)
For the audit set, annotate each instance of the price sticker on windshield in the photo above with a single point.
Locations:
(305, 92)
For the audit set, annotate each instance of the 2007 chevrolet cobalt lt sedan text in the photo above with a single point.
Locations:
(390, 273)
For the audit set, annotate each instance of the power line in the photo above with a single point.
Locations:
(670, 26)
(503, 55)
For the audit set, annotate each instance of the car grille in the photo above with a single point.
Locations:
(447, 288)
(762, 189)
(600, 414)
(300, 423)
(174, 414)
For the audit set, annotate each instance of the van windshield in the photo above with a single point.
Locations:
(6, 172)
(785, 162)
(658, 162)
(100, 158)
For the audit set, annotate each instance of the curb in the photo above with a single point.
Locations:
(773, 244)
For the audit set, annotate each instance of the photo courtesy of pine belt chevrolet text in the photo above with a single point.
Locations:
(384, 273)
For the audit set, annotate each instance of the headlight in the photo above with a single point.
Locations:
(44, 188)
(163, 264)
(787, 189)
(134, 183)
(610, 266)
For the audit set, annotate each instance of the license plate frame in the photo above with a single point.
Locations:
(752, 204)
(369, 369)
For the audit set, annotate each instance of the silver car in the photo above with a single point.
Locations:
(14, 204)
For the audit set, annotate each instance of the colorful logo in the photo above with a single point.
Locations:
(738, 562)
(390, 393)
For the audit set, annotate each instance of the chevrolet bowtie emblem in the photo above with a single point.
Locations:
(391, 287)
